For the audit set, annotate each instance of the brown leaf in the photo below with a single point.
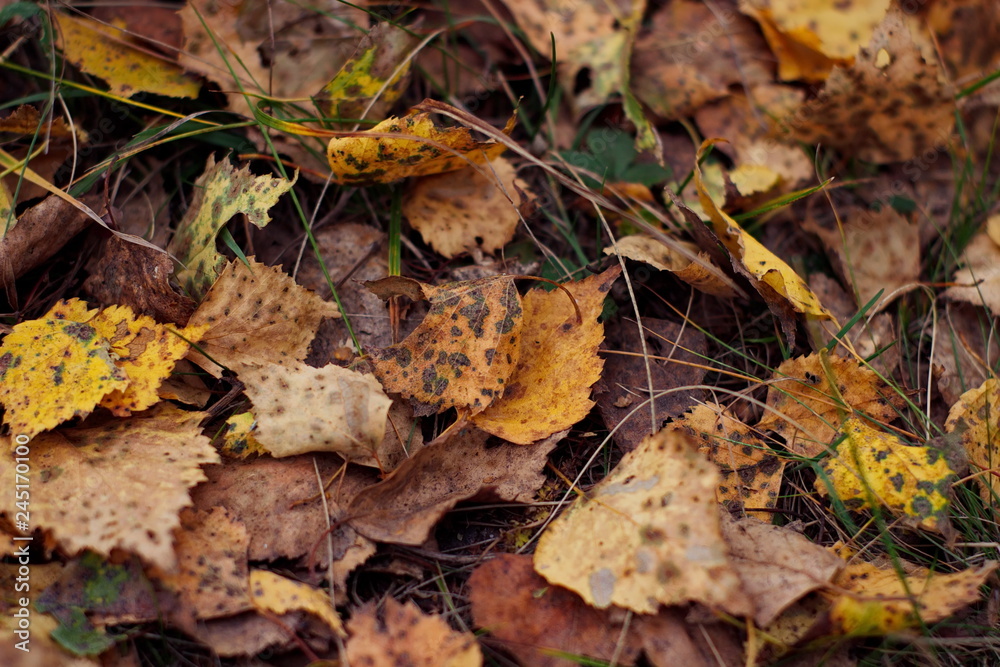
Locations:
(961, 358)
(462, 353)
(979, 279)
(132, 275)
(40, 233)
(257, 315)
(405, 506)
(118, 484)
(549, 390)
(625, 385)
(532, 619)
(406, 636)
(668, 640)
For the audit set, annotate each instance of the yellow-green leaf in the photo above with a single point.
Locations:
(873, 466)
(220, 193)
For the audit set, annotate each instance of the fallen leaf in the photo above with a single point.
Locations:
(660, 256)
(975, 417)
(248, 634)
(877, 601)
(238, 440)
(647, 534)
(777, 565)
(472, 208)
(769, 275)
(979, 280)
(405, 635)
(689, 55)
(212, 578)
(303, 409)
(669, 639)
(535, 621)
(110, 53)
(873, 250)
(880, 112)
(549, 390)
(805, 410)
(256, 315)
(464, 350)
(371, 81)
(675, 359)
(405, 506)
(119, 484)
(139, 277)
(809, 38)
(872, 466)
(40, 357)
(275, 594)
(751, 473)
(219, 193)
(960, 358)
(420, 149)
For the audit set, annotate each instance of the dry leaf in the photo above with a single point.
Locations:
(219, 193)
(533, 620)
(111, 54)
(464, 350)
(117, 485)
(647, 534)
(272, 593)
(751, 474)
(872, 466)
(376, 156)
(669, 640)
(238, 440)
(472, 208)
(961, 358)
(975, 417)
(660, 256)
(404, 635)
(256, 315)
(800, 397)
(406, 505)
(304, 409)
(558, 363)
(979, 280)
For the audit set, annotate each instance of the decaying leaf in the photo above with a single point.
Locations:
(304, 409)
(647, 534)
(463, 352)
(219, 193)
(238, 440)
(805, 409)
(404, 635)
(874, 467)
(670, 639)
(876, 601)
(976, 419)
(418, 149)
(533, 620)
(776, 282)
(809, 38)
(118, 484)
(751, 473)
(406, 505)
(979, 280)
(256, 314)
(273, 593)
(474, 207)
(558, 363)
(661, 256)
(373, 79)
(110, 53)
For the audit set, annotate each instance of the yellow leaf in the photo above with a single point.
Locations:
(976, 417)
(220, 193)
(421, 149)
(465, 209)
(256, 314)
(238, 439)
(876, 601)
(53, 369)
(465, 349)
(304, 409)
(805, 409)
(108, 53)
(275, 594)
(647, 534)
(873, 466)
(558, 363)
(116, 484)
(768, 273)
